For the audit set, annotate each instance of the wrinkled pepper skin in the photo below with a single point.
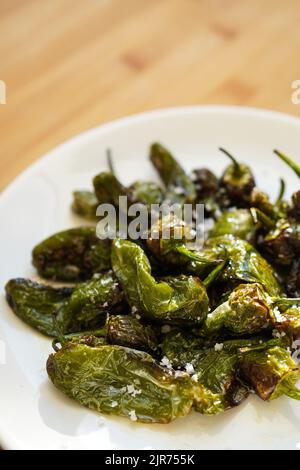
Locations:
(179, 187)
(215, 370)
(180, 300)
(247, 311)
(85, 204)
(271, 372)
(237, 222)
(244, 263)
(36, 304)
(72, 255)
(91, 302)
(98, 377)
(127, 331)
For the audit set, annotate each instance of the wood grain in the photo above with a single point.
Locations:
(70, 65)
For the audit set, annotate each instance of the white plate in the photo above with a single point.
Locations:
(33, 414)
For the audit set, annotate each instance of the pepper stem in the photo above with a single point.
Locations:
(293, 165)
(232, 158)
(281, 192)
(259, 216)
(110, 162)
(214, 274)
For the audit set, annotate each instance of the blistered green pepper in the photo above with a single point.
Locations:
(282, 243)
(247, 311)
(179, 186)
(145, 192)
(177, 299)
(108, 189)
(72, 255)
(170, 241)
(85, 204)
(244, 263)
(125, 330)
(238, 181)
(36, 304)
(238, 222)
(121, 381)
(59, 311)
(206, 184)
(91, 301)
(271, 372)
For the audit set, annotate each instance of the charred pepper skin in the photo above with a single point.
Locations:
(271, 372)
(121, 381)
(72, 255)
(206, 183)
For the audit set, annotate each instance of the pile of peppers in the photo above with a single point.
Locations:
(151, 329)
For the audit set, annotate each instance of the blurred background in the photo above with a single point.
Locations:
(69, 65)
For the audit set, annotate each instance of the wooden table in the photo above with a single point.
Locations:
(69, 65)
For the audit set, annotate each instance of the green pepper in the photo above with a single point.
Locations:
(59, 311)
(72, 255)
(121, 381)
(206, 184)
(244, 263)
(181, 347)
(238, 222)
(271, 372)
(125, 330)
(282, 243)
(247, 311)
(108, 188)
(85, 204)
(36, 304)
(179, 299)
(179, 187)
(238, 181)
(145, 192)
(91, 301)
(169, 240)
